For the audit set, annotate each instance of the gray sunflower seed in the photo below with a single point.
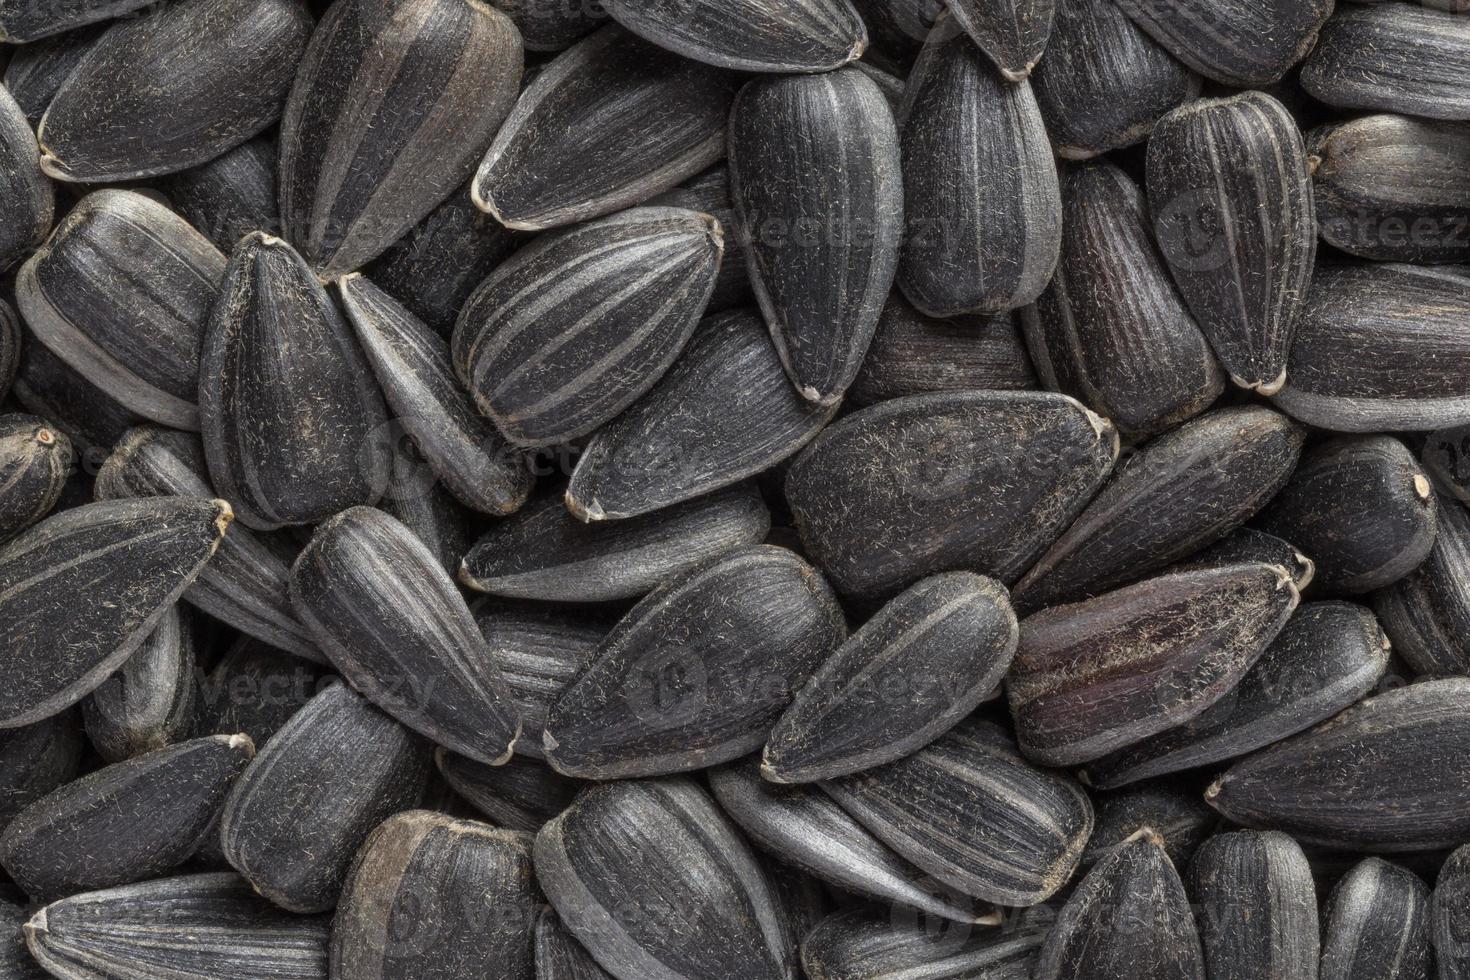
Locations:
(1398, 57)
(1327, 657)
(607, 124)
(1377, 925)
(1128, 918)
(150, 703)
(47, 386)
(21, 22)
(99, 577)
(1111, 328)
(803, 900)
(538, 653)
(36, 71)
(521, 795)
(1359, 361)
(125, 822)
(255, 689)
(965, 480)
(10, 347)
(709, 193)
(552, 25)
(664, 847)
(558, 955)
(1256, 907)
(1012, 33)
(699, 671)
(432, 898)
(750, 35)
(37, 759)
(1317, 787)
(860, 944)
(302, 809)
(925, 661)
(980, 186)
(1246, 545)
(287, 402)
(173, 87)
(393, 106)
(1231, 195)
(231, 195)
(1449, 913)
(1104, 82)
(571, 330)
(814, 173)
(197, 927)
(35, 461)
(1096, 676)
(30, 202)
(1177, 813)
(899, 27)
(1363, 509)
(1427, 613)
(803, 827)
(1180, 492)
(1242, 44)
(974, 814)
(121, 292)
(724, 412)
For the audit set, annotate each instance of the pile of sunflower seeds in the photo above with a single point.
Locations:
(735, 490)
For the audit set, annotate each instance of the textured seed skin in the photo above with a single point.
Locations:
(22, 22)
(151, 702)
(35, 461)
(173, 87)
(1381, 347)
(558, 955)
(1176, 811)
(818, 152)
(417, 500)
(571, 330)
(121, 292)
(609, 123)
(299, 813)
(750, 35)
(16, 962)
(552, 25)
(1243, 44)
(1257, 907)
(37, 759)
(1318, 787)
(46, 386)
(1377, 925)
(699, 671)
(1111, 328)
(35, 71)
(1095, 676)
(1427, 612)
(1180, 492)
(980, 185)
(231, 195)
(30, 201)
(974, 814)
(255, 689)
(287, 402)
(724, 412)
(1012, 33)
(196, 927)
(10, 347)
(125, 822)
(1363, 509)
(861, 944)
(539, 653)
(709, 193)
(99, 577)
(1393, 57)
(434, 898)
(1449, 914)
(1246, 544)
(1104, 82)
(521, 795)
(664, 847)
(1129, 917)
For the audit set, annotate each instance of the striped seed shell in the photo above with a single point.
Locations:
(750, 35)
(1362, 507)
(1096, 676)
(1112, 328)
(802, 899)
(1246, 544)
(1396, 57)
(287, 402)
(1377, 925)
(1176, 811)
(255, 689)
(1231, 195)
(37, 759)
(1427, 612)
(1449, 915)
(1382, 347)
(121, 291)
(125, 822)
(724, 412)
(558, 955)
(662, 847)
(81, 591)
(30, 201)
(930, 483)
(709, 193)
(980, 186)
(47, 386)
(197, 927)
(22, 21)
(173, 87)
(538, 652)
(151, 702)
(861, 944)
(231, 195)
(974, 814)
(1387, 774)
(434, 898)
(1256, 906)
(521, 795)
(552, 25)
(36, 71)
(1012, 33)
(35, 461)
(1245, 44)
(571, 330)
(607, 124)
(392, 622)
(699, 671)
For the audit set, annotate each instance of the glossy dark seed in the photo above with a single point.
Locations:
(1012, 33)
(1246, 544)
(231, 195)
(539, 653)
(1176, 811)
(151, 702)
(173, 87)
(255, 689)
(750, 35)
(709, 193)
(558, 955)
(1449, 915)
(521, 795)
(1427, 613)
(37, 759)
(1377, 925)
(609, 123)
(35, 461)
(29, 199)
(1245, 44)
(1256, 907)
(1398, 57)
(551, 25)
(36, 71)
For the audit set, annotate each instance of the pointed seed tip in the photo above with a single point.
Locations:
(995, 917)
(1423, 487)
(1148, 834)
(38, 925)
(45, 436)
(1213, 793)
(242, 741)
(224, 517)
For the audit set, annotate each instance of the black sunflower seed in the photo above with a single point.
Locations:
(1399, 57)
(29, 199)
(151, 702)
(1256, 907)
(1449, 914)
(231, 195)
(551, 25)
(1377, 925)
(750, 35)
(35, 461)
(1174, 810)
(255, 689)
(10, 347)
(538, 653)
(558, 955)
(16, 962)
(1244, 44)
(861, 944)
(36, 71)
(521, 795)
(416, 498)
(1427, 612)
(37, 759)
(1012, 33)
(709, 193)
(1246, 545)
(21, 22)
(47, 386)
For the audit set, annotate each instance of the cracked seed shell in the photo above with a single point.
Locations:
(1256, 907)
(1175, 810)
(35, 461)
(1243, 44)
(750, 35)
(539, 652)
(1396, 57)
(521, 795)
(231, 195)
(152, 700)
(30, 200)
(1377, 925)
(1427, 612)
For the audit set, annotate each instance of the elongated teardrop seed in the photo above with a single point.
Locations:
(1427, 612)
(1174, 809)
(1377, 925)
(1257, 907)
(750, 35)
(30, 201)
(862, 944)
(231, 195)
(1399, 57)
(539, 652)
(521, 795)
(151, 702)
(1012, 33)
(1242, 43)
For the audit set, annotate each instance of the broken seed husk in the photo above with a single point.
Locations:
(151, 702)
(1175, 811)
(255, 689)
(1398, 57)
(539, 653)
(1427, 612)
(521, 795)
(30, 201)
(750, 35)
(1244, 44)
(709, 193)
(1449, 915)
(36, 71)
(552, 25)
(1256, 907)
(231, 195)
(861, 944)
(1246, 545)
(1012, 33)
(35, 461)
(37, 759)
(1377, 925)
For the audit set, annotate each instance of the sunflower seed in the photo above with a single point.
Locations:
(231, 195)
(980, 187)
(1111, 328)
(10, 347)
(45, 385)
(1398, 57)
(36, 71)
(1446, 457)
(709, 193)
(971, 812)
(173, 87)
(607, 124)
(802, 899)
(1256, 907)
(30, 202)
(1246, 545)
(1427, 613)
(37, 759)
(1012, 33)
(521, 795)
(538, 653)
(1449, 914)
(572, 329)
(1319, 786)
(553, 25)
(433, 897)
(191, 928)
(1377, 925)
(1177, 813)
(750, 35)
(287, 402)
(121, 291)
(21, 22)
(150, 703)
(558, 955)
(129, 821)
(1243, 44)
(255, 689)
(1180, 492)
(860, 944)
(724, 412)
(16, 962)
(35, 461)
(416, 498)
(662, 846)
(1363, 509)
